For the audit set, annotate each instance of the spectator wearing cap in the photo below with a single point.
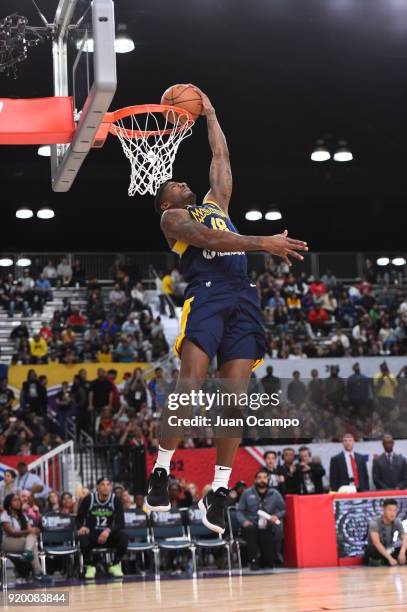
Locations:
(389, 468)
(263, 535)
(348, 468)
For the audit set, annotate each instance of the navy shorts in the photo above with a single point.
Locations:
(224, 319)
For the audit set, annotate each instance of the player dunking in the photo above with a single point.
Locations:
(221, 314)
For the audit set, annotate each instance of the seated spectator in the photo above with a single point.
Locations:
(46, 331)
(68, 505)
(53, 503)
(78, 273)
(124, 352)
(30, 507)
(64, 272)
(131, 326)
(317, 288)
(107, 532)
(17, 301)
(159, 346)
(318, 317)
(7, 485)
(104, 355)
(293, 304)
(68, 336)
(339, 336)
(50, 272)
(30, 482)
(87, 353)
(263, 535)
(43, 286)
(329, 302)
(117, 299)
(19, 536)
(77, 321)
(384, 546)
(138, 300)
(38, 349)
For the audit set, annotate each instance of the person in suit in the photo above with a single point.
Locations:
(348, 467)
(389, 469)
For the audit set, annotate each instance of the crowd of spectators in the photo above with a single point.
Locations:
(304, 316)
(121, 330)
(323, 317)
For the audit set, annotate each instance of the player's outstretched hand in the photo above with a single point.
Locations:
(285, 247)
(207, 107)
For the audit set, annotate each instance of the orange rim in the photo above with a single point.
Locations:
(141, 109)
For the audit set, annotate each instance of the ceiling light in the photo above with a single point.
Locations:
(88, 45)
(45, 213)
(44, 151)
(123, 43)
(5, 262)
(23, 262)
(342, 153)
(320, 153)
(24, 213)
(253, 215)
(383, 261)
(273, 215)
(398, 261)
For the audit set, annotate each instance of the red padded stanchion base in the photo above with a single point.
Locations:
(36, 121)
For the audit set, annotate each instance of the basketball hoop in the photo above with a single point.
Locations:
(150, 135)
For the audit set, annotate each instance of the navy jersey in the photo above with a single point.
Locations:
(210, 265)
(97, 515)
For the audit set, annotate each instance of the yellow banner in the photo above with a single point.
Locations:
(57, 373)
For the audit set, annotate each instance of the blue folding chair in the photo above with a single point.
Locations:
(136, 525)
(169, 532)
(58, 539)
(203, 538)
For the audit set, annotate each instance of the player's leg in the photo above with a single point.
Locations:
(194, 367)
(236, 376)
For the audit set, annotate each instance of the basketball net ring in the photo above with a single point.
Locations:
(150, 135)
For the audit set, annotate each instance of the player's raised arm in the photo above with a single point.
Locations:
(220, 173)
(178, 225)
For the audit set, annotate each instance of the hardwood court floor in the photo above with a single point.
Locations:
(346, 589)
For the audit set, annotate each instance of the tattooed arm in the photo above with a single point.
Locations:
(178, 225)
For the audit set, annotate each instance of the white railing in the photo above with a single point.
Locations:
(57, 468)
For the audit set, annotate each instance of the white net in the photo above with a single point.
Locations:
(150, 142)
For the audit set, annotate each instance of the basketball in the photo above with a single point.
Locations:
(184, 96)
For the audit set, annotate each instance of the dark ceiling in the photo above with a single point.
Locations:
(281, 74)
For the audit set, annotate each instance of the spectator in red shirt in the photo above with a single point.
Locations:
(46, 332)
(77, 321)
(317, 288)
(318, 317)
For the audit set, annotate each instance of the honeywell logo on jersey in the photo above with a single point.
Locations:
(211, 254)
